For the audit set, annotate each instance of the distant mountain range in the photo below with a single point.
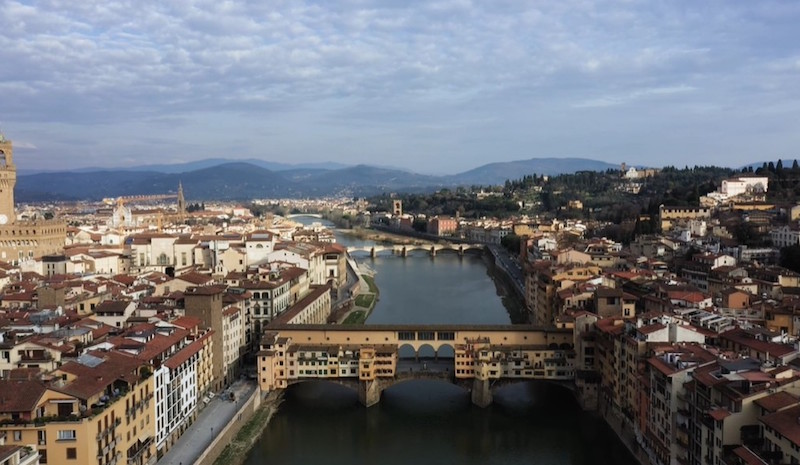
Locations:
(245, 179)
(200, 164)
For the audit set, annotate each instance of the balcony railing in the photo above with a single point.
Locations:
(29, 458)
(137, 451)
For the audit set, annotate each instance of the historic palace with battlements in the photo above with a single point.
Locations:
(21, 240)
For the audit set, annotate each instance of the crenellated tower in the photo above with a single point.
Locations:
(24, 239)
(8, 180)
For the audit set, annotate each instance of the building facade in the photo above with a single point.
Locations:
(23, 240)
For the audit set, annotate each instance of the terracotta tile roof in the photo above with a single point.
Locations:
(195, 278)
(613, 326)
(748, 457)
(694, 297)
(660, 365)
(740, 337)
(7, 451)
(24, 374)
(294, 310)
(187, 322)
(186, 240)
(230, 311)
(292, 273)
(111, 306)
(124, 279)
(186, 353)
(651, 328)
(205, 290)
(719, 414)
(91, 381)
(774, 402)
(20, 395)
(785, 423)
(161, 343)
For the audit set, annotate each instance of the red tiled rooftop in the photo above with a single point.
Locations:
(777, 401)
(748, 457)
(186, 353)
(785, 423)
(20, 395)
(719, 414)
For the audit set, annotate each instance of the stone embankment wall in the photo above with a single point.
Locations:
(228, 433)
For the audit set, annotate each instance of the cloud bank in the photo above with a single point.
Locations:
(434, 86)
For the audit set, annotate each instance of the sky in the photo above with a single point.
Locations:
(435, 86)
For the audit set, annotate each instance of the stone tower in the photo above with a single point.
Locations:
(181, 201)
(397, 207)
(8, 179)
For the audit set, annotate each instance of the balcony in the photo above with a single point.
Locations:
(29, 457)
(137, 450)
(110, 430)
(116, 459)
(36, 357)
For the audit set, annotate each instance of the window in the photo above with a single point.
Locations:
(17, 435)
(66, 435)
(72, 453)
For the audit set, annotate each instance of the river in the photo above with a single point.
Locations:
(428, 422)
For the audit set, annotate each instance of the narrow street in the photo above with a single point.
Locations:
(209, 423)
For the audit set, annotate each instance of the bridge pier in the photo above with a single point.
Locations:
(461, 250)
(433, 252)
(481, 393)
(369, 393)
(404, 252)
(372, 252)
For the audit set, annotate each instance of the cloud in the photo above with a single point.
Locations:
(23, 145)
(621, 99)
(297, 78)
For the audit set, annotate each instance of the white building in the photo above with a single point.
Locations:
(259, 245)
(744, 184)
(785, 236)
(114, 312)
(302, 255)
(232, 339)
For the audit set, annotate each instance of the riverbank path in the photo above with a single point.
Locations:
(209, 423)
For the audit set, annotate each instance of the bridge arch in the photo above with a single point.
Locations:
(426, 351)
(406, 351)
(446, 350)
(346, 383)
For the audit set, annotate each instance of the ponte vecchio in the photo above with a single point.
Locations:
(367, 358)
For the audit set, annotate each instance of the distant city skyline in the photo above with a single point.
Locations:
(435, 87)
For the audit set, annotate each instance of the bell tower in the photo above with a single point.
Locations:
(181, 201)
(8, 180)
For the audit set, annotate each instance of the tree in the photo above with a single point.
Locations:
(511, 242)
(790, 258)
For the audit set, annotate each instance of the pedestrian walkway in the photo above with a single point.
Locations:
(208, 425)
(626, 435)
